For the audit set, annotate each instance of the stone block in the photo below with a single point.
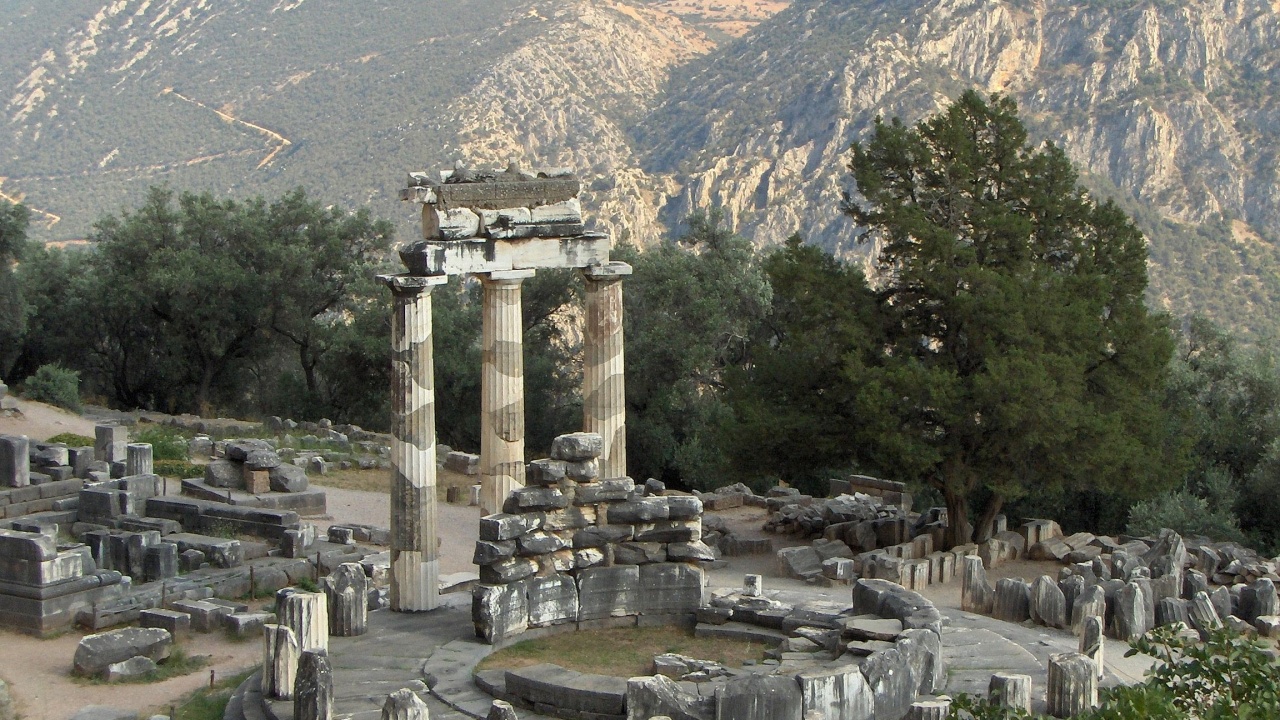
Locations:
(1072, 685)
(160, 562)
(836, 693)
(96, 652)
(611, 490)
(608, 592)
(505, 526)
(659, 696)
(404, 704)
(499, 612)
(508, 571)
(224, 474)
(545, 473)
(110, 442)
(799, 562)
(892, 682)
(256, 482)
(670, 588)
(177, 623)
(1012, 600)
(540, 542)
(463, 463)
(574, 518)
(669, 531)
(131, 669)
(760, 697)
(1010, 690)
(642, 510)
(577, 446)
(552, 600)
(488, 552)
(313, 686)
(288, 478)
(15, 466)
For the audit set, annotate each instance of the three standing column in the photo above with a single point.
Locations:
(414, 554)
(501, 389)
(604, 401)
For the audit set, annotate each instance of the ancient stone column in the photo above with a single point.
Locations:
(307, 614)
(1091, 603)
(604, 401)
(1091, 641)
(414, 563)
(1010, 690)
(1073, 685)
(501, 389)
(313, 687)
(1204, 617)
(138, 459)
(1012, 600)
(404, 704)
(279, 661)
(347, 591)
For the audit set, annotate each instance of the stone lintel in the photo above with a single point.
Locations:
(467, 257)
(412, 283)
(607, 271)
(495, 195)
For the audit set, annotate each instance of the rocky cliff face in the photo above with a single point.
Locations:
(1172, 107)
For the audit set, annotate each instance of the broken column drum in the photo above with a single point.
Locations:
(603, 379)
(414, 563)
(501, 389)
(138, 459)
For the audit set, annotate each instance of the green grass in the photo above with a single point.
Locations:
(208, 703)
(620, 652)
(72, 440)
(307, 585)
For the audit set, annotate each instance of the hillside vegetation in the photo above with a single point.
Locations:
(665, 107)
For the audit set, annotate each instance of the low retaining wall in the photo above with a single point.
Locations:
(862, 683)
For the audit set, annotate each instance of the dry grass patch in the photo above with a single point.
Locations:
(379, 481)
(621, 652)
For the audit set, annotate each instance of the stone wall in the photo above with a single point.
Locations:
(572, 547)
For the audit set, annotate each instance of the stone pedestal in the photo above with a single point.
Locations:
(138, 459)
(1073, 685)
(110, 442)
(279, 661)
(1010, 690)
(313, 687)
(604, 401)
(347, 593)
(414, 563)
(929, 710)
(15, 462)
(501, 389)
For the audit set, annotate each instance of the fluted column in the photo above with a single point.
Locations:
(501, 389)
(604, 401)
(414, 564)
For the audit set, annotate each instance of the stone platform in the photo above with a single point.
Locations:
(307, 503)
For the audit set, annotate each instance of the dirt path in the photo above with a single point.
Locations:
(41, 422)
(38, 674)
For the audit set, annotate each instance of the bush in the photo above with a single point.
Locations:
(1187, 513)
(55, 385)
(180, 469)
(72, 440)
(166, 443)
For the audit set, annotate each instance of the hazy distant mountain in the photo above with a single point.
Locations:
(663, 107)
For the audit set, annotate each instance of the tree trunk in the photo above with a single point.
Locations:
(308, 361)
(959, 529)
(986, 523)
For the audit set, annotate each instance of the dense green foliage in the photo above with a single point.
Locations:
(55, 385)
(1226, 677)
(1018, 352)
(14, 220)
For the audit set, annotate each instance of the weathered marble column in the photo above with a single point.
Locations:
(604, 401)
(414, 563)
(501, 389)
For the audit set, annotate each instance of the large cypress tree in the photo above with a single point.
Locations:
(1018, 354)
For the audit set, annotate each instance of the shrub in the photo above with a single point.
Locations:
(72, 440)
(180, 469)
(1190, 514)
(55, 385)
(166, 443)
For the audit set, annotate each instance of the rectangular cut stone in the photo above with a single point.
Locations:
(574, 518)
(611, 490)
(491, 195)
(15, 464)
(505, 526)
(257, 482)
(667, 588)
(838, 693)
(552, 600)
(110, 443)
(489, 255)
(608, 592)
(499, 612)
(760, 697)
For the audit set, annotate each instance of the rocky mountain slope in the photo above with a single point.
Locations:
(1169, 106)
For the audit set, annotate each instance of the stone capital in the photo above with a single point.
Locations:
(412, 284)
(608, 271)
